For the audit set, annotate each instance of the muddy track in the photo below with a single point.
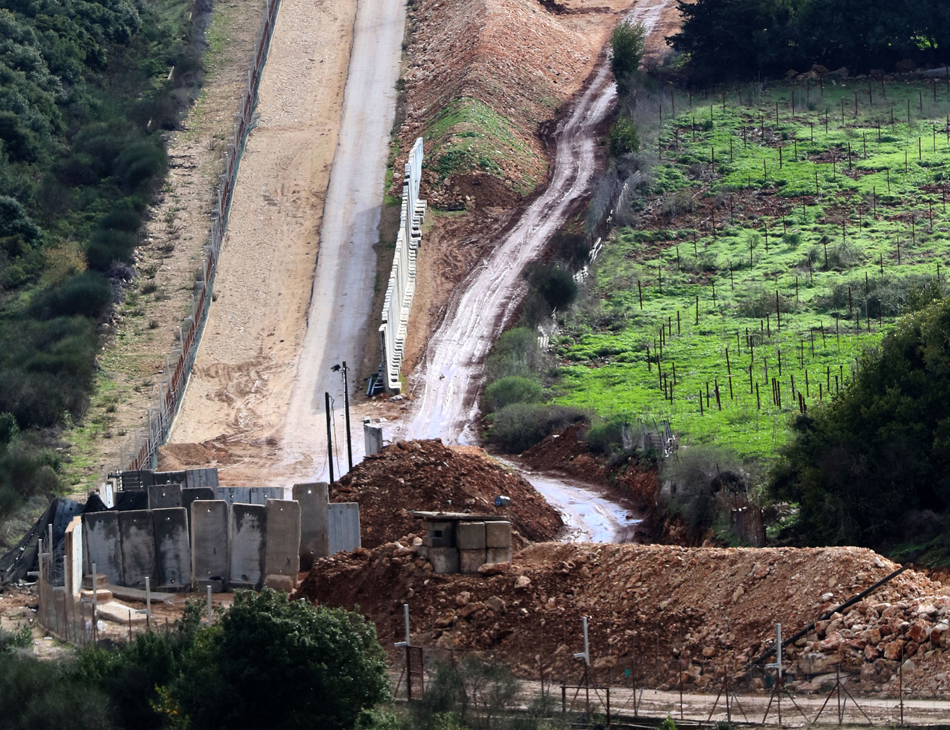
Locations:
(446, 387)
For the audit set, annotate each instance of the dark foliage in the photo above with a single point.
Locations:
(880, 451)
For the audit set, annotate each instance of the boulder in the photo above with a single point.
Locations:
(919, 631)
(463, 598)
(495, 604)
(894, 650)
(817, 663)
(493, 568)
(522, 582)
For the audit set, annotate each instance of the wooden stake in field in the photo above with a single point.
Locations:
(700, 402)
(677, 321)
(750, 378)
(640, 293)
(806, 385)
(758, 400)
(697, 309)
(778, 313)
(716, 391)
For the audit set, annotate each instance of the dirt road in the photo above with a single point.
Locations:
(447, 385)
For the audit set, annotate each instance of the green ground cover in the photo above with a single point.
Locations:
(750, 201)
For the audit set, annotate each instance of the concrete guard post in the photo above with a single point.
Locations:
(282, 520)
(314, 537)
(209, 545)
(248, 545)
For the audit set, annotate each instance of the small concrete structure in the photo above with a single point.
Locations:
(172, 548)
(209, 544)
(164, 495)
(138, 547)
(372, 439)
(73, 557)
(344, 524)
(282, 554)
(189, 495)
(314, 518)
(459, 542)
(248, 543)
(104, 545)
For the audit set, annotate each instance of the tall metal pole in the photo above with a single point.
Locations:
(329, 438)
(346, 405)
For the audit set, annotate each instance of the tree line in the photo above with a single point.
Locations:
(723, 40)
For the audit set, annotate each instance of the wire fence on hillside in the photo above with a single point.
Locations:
(142, 449)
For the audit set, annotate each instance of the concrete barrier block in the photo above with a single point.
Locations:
(444, 560)
(282, 556)
(163, 496)
(138, 548)
(260, 495)
(439, 534)
(190, 495)
(72, 560)
(209, 542)
(172, 548)
(498, 555)
(314, 515)
(233, 494)
(207, 477)
(498, 535)
(372, 439)
(471, 560)
(344, 526)
(470, 535)
(248, 545)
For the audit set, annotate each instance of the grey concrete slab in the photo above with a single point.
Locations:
(233, 494)
(344, 526)
(471, 560)
(248, 545)
(498, 555)
(372, 439)
(172, 548)
(196, 478)
(190, 494)
(260, 495)
(498, 535)
(162, 496)
(168, 477)
(282, 525)
(470, 535)
(443, 559)
(104, 544)
(138, 548)
(209, 542)
(314, 516)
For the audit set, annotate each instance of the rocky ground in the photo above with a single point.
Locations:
(669, 613)
(426, 475)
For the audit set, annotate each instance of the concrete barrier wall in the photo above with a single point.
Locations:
(248, 541)
(209, 542)
(172, 548)
(164, 496)
(104, 545)
(344, 527)
(402, 279)
(282, 554)
(138, 548)
(314, 539)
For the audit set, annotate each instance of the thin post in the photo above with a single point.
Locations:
(148, 599)
(209, 603)
(329, 437)
(346, 407)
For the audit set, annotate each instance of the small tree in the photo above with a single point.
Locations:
(624, 138)
(627, 43)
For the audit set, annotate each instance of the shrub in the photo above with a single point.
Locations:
(627, 43)
(623, 137)
(512, 389)
(556, 285)
(614, 435)
(88, 294)
(699, 476)
(107, 245)
(520, 426)
(515, 353)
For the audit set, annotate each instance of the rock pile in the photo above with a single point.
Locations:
(426, 475)
(670, 614)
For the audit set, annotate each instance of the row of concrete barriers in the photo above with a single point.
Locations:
(226, 537)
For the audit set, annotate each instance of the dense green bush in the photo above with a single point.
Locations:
(623, 137)
(88, 294)
(511, 389)
(627, 45)
(613, 435)
(516, 353)
(520, 426)
(555, 284)
(879, 452)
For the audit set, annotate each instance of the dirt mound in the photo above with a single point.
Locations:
(669, 609)
(175, 457)
(425, 475)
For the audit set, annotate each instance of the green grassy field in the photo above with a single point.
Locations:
(750, 202)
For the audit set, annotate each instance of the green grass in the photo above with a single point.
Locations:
(470, 136)
(857, 214)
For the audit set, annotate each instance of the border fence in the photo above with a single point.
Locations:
(143, 449)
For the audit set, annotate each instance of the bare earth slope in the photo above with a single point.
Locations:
(241, 383)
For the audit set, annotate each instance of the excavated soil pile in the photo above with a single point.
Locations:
(426, 475)
(702, 612)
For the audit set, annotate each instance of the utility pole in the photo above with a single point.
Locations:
(346, 405)
(329, 437)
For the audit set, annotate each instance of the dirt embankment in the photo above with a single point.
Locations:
(701, 612)
(484, 79)
(425, 475)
